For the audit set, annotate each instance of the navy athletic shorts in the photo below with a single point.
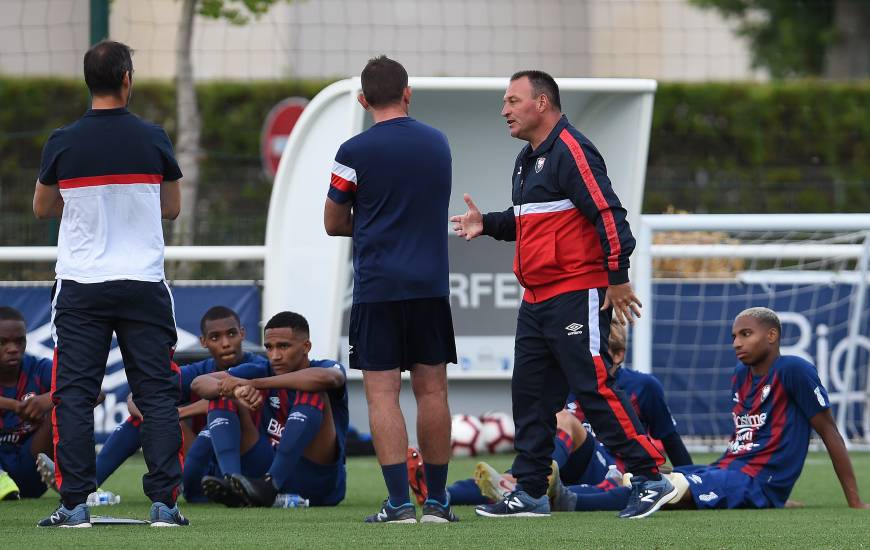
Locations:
(396, 335)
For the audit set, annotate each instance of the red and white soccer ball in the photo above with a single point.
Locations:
(498, 432)
(466, 435)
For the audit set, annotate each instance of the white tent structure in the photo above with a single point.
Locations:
(310, 272)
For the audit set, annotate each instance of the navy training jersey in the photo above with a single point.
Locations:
(109, 166)
(397, 174)
(648, 399)
(34, 377)
(772, 423)
(208, 366)
(273, 413)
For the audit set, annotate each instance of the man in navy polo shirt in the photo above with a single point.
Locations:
(111, 177)
(390, 190)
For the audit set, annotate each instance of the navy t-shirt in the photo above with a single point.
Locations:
(397, 175)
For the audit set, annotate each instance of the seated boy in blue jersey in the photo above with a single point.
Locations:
(579, 458)
(222, 335)
(25, 382)
(301, 413)
(778, 402)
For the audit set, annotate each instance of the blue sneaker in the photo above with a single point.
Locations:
(647, 496)
(78, 517)
(435, 512)
(518, 504)
(164, 516)
(405, 513)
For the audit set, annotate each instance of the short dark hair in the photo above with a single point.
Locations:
(383, 81)
(215, 313)
(105, 65)
(542, 83)
(288, 319)
(8, 313)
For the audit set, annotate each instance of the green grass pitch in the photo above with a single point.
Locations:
(823, 522)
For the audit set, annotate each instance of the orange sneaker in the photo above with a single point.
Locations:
(416, 475)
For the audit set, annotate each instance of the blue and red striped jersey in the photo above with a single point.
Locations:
(34, 378)
(647, 397)
(279, 403)
(772, 429)
(208, 366)
(397, 174)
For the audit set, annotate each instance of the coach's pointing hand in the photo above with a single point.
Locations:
(470, 224)
(626, 306)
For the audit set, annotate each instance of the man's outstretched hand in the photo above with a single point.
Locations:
(470, 224)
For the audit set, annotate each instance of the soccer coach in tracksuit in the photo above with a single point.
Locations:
(572, 258)
(111, 177)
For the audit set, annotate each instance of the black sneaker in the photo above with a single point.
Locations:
(259, 492)
(405, 513)
(220, 490)
(435, 512)
(79, 517)
(647, 496)
(164, 516)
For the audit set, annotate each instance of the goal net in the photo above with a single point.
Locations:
(701, 271)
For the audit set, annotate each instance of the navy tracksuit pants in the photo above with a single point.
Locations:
(141, 315)
(561, 345)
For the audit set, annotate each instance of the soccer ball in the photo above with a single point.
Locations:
(498, 432)
(466, 438)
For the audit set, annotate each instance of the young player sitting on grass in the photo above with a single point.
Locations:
(300, 411)
(778, 402)
(25, 382)
(222, 335)
(579, 458)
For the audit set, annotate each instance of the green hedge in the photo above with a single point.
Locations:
(799, 146)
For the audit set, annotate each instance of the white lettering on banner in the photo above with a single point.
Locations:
(468, 289)
(110, 413)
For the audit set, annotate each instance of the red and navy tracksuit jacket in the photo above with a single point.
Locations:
(569, 225)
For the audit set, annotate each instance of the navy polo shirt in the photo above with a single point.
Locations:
(397, 174)
(109, 166)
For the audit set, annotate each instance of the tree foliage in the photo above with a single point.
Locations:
(788, 37)
(237, 12)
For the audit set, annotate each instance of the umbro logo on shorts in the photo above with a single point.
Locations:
(574, 329)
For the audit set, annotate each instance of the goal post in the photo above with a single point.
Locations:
(696, 272)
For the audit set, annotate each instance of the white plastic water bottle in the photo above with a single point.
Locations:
(103, 498)
(289, 500)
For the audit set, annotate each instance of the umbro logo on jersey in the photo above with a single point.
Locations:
(539, 165)
(819, 397)
(736, 398)
(297, 416)
(275, 402)
(696, 479)
(765, 391)
(350, 350)
(574, 329)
